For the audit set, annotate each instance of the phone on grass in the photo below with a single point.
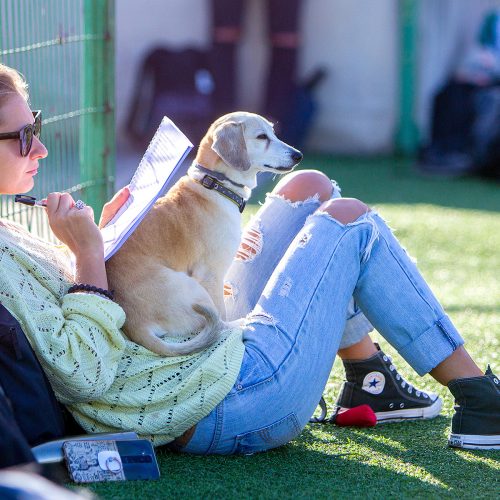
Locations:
(91, 461)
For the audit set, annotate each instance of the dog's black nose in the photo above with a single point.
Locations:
(297, 156)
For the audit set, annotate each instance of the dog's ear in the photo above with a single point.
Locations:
(229, 144)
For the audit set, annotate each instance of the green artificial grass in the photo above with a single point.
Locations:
(452, 228)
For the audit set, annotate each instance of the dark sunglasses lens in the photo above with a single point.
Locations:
(38, 125)
(26, 139)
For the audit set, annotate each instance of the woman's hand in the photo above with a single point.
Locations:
(74, 227)
(77, 230)
(111, 207)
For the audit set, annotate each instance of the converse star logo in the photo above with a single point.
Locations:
(374, 382)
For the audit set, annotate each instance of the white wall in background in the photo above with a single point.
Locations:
(356, 41)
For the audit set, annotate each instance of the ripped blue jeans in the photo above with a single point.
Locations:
(294, 278)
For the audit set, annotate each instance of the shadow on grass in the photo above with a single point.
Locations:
(395, 181)
(413, 458)
(397, 460)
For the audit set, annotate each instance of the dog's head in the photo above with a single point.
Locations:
(246, 142)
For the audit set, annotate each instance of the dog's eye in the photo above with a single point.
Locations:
(262, 136)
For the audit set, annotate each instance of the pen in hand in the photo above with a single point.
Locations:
(30, 200)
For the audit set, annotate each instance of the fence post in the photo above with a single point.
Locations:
(97, 130)
(407, 134)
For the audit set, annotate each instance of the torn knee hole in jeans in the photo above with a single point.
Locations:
(295, 204)
(374, 236)
(251, 243)
(230, 291)
(336, 192)
(366, 218)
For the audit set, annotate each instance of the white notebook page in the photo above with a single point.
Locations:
(154, 175)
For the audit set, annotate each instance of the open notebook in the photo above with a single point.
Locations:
(155, 175)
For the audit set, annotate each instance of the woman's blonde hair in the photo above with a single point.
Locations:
(11, 82)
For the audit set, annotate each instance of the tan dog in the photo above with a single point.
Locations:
(168, 276)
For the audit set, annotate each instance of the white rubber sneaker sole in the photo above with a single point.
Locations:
(427, 412)
(474, 442)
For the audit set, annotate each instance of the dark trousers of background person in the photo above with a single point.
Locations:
(465, 133)
(283, 19)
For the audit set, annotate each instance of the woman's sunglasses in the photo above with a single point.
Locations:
(25, 135)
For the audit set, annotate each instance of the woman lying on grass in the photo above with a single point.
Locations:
(257, 387)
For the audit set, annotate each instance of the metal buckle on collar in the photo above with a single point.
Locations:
(208, 182)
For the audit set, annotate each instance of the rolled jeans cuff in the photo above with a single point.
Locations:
(444, 339)
(356, 328)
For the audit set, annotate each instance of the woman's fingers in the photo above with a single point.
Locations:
(53, 203)
(66, 202)
(59, 203)
(111, 208)
(121, 194)
(73, 226)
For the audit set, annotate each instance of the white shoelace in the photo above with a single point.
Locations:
(404, 382)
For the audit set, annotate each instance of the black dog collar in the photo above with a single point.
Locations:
(218, 175)
(209, 181)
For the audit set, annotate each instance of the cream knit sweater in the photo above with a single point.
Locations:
(107, 382)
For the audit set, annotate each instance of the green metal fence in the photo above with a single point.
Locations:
(407, 137)
(65, 49)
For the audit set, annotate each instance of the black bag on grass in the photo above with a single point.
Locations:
(27, 402)
(14, 449)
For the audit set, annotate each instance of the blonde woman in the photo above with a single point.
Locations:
(257, 387)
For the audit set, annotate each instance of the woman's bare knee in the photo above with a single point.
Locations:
(301, 185)
(345, 210)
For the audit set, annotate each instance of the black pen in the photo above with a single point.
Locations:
(30, 200)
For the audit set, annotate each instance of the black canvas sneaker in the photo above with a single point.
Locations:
(376, 382)
(476, 422)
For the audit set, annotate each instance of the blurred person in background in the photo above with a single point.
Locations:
(284, 38)
(465, 135)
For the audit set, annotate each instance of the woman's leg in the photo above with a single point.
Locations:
(476, 422)
(266, 238)
(458, 365)
(268, 235)
(399, 303)
(294, 332)
(359, 351)
(264, 243)
(291, 340)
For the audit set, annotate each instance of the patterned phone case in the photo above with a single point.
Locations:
(91, 461)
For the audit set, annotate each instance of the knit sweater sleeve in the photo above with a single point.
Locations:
(79, 345)
(76, 337)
